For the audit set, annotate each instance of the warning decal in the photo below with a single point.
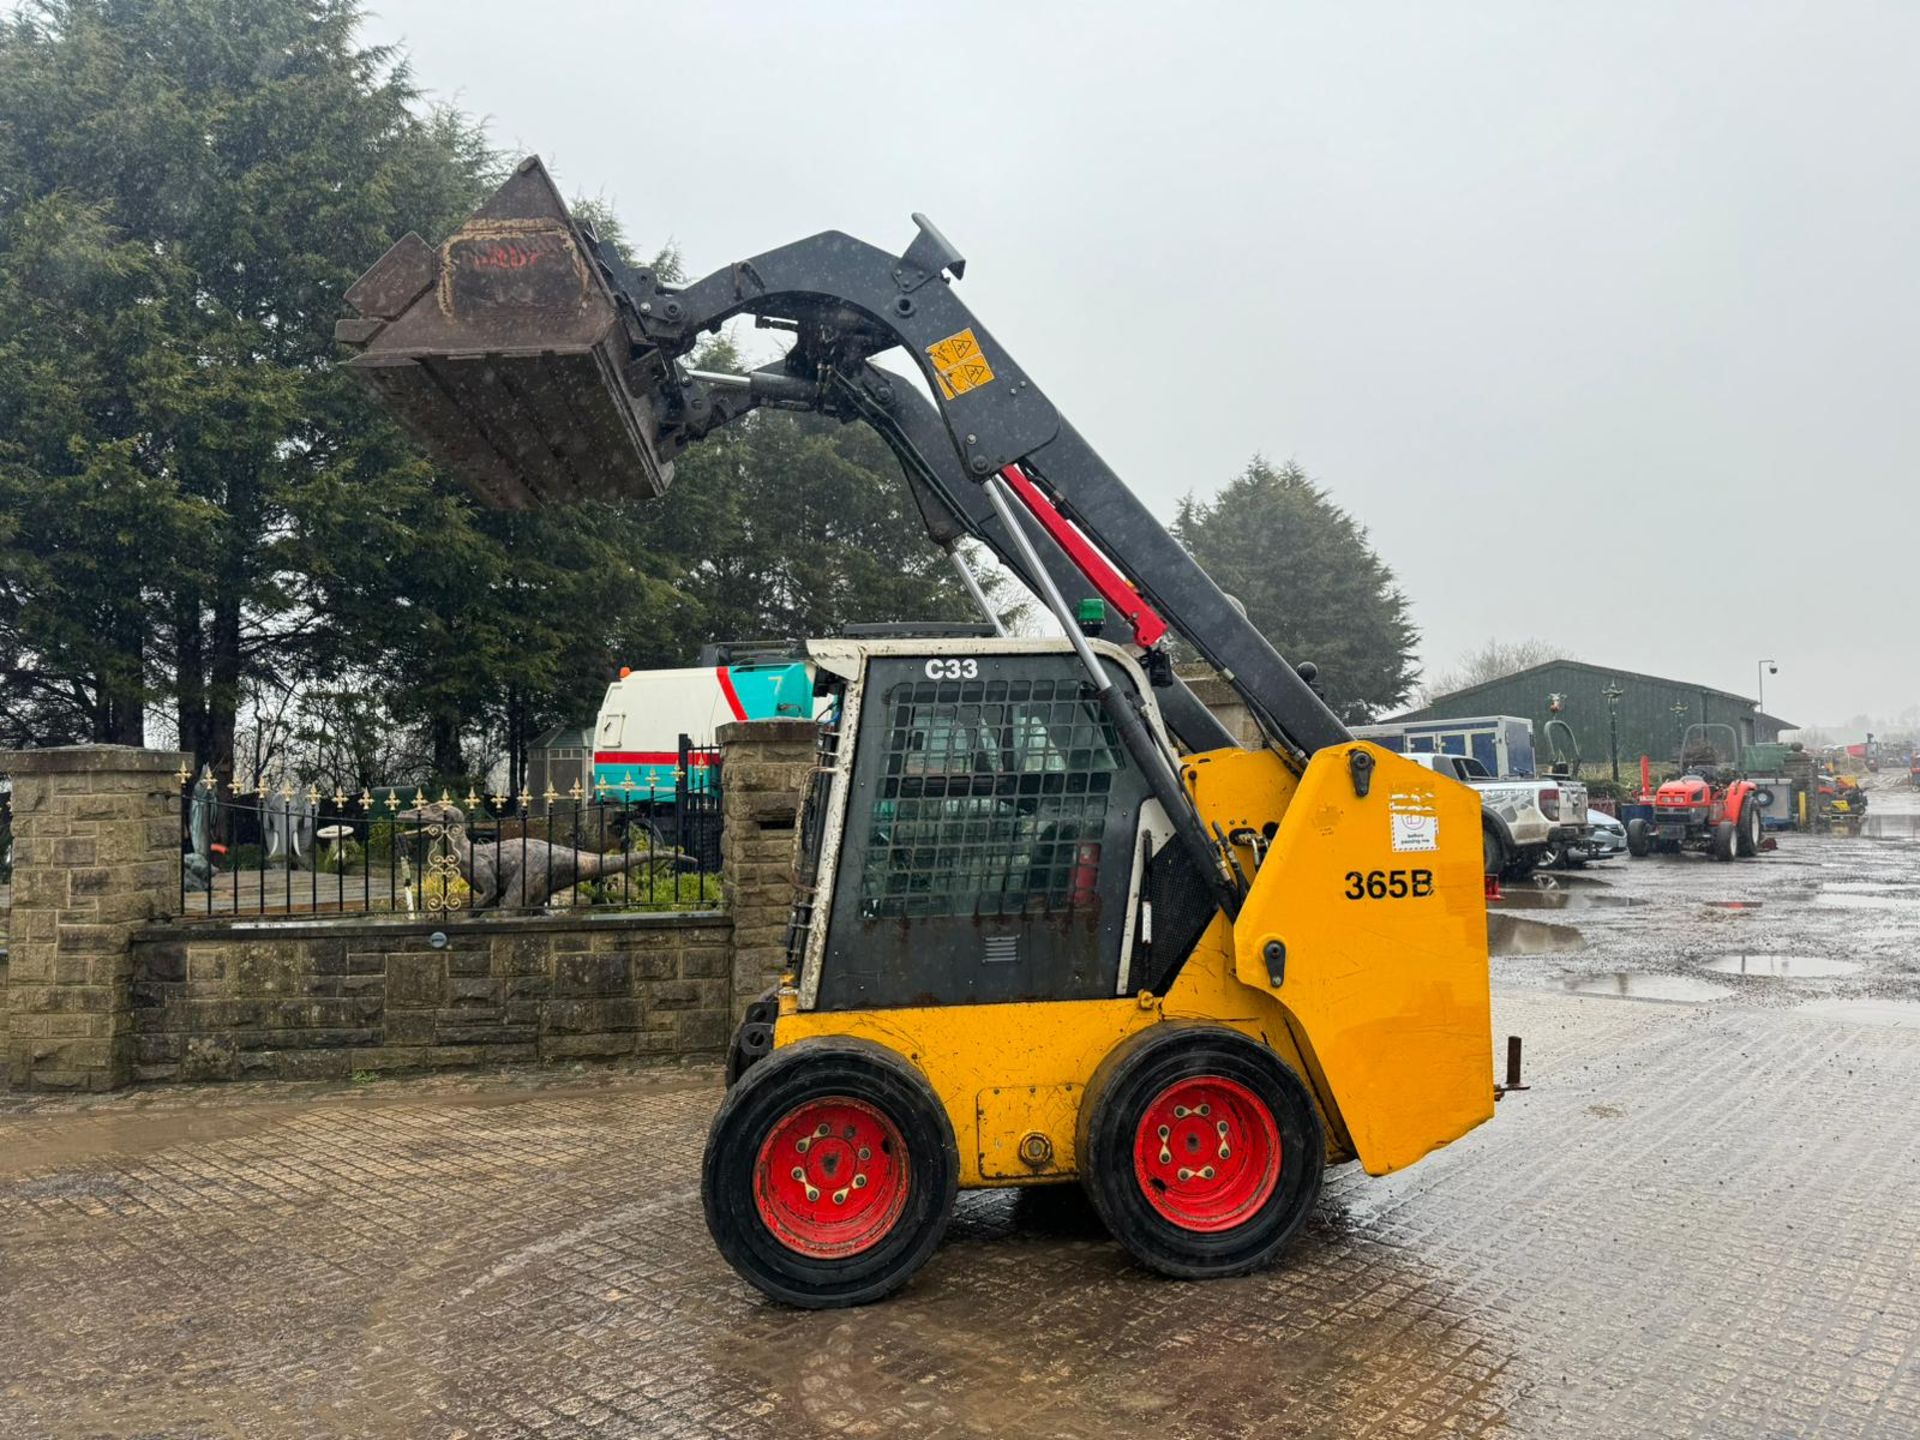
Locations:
(1415, 821)
(958, 364)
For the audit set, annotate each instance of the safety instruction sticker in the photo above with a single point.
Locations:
(1415, 820)
(959, 365)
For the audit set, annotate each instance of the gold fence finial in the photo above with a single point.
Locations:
(184, 773)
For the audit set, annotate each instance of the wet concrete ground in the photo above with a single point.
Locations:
(1704, 1219)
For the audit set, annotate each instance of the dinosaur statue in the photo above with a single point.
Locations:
(518, 873)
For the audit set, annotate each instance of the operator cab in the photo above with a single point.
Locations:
(985, 836)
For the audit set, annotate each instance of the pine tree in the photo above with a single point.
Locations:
(1310, 582)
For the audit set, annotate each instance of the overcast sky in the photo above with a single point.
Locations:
(1602, 319)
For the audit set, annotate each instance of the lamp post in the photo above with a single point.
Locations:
(1613, 692)
(1681, 710)
(1762, 669)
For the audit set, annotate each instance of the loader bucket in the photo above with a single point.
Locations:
(504, 353)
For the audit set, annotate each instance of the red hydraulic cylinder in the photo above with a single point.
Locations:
(1112, 586)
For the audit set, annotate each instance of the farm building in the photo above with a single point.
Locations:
(1652, 712)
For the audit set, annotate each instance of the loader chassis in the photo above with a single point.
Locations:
(1051, 924)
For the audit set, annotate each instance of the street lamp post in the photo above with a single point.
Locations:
(1680, 712)
(1613, 692)
(1762, 669)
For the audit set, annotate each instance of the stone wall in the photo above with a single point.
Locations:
(325, 1000)
(104, 988)
(96, 856)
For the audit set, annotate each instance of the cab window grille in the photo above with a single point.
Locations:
(991, 800)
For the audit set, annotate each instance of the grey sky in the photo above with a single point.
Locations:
(1629, 292)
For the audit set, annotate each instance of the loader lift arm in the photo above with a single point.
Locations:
(849, 301)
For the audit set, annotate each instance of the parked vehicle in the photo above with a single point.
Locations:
(1524, 823)
(637, 736)
(1606, 839)
(1503, 744)
(1711, 807)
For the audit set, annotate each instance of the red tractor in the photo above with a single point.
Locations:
(1710, 807)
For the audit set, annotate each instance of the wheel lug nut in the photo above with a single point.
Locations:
(1204, 1110)
(1207, 1174)
(1180, 1112)
(1220, 1126)
(859, 1182)
(1164, 1132)
(821, 1133)
(865, 1153)
(803, 1144)
(1185, 1174)
(812, 1194)
(1225, 1151)
(798, 1173)
(1166, 1156)
(840, 1196)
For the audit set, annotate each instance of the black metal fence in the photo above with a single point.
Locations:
(280, 849)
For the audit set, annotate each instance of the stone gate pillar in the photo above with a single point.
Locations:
(96, 854)
(764, 769)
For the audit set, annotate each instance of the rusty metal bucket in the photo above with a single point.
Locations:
(503, 352)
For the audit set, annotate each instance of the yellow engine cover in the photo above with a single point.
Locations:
(1380, 903)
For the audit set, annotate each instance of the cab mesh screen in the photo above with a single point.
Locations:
(991, 799)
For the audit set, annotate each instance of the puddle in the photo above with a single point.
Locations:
(1831, 899)
(1567, 879)
(1871, 887)
(1634, 986)
(1563, 900)
(1891, 827)
(1904, 1013)
(1511, 935)
(1783, 967)
(1733, 904)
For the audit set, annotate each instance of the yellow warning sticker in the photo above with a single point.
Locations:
(959, 365)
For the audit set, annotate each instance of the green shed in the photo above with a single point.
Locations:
(1651, 712)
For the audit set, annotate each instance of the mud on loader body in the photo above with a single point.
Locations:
(1052, 924)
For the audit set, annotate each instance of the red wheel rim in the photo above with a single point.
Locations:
(831, 1178)
(1207, 1153)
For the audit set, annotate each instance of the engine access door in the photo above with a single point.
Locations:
(989, 842)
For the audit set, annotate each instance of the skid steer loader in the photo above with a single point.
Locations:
(1052, 923)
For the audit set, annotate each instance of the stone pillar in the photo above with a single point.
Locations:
(96, 854)
(764, 768)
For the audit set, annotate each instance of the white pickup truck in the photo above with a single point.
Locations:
(1524, 823)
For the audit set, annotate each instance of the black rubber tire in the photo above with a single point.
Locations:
(1639, 838)
(812, 1070)
(1137, 1071)
(1493, 854)
(1725, 840)
(1746, 843)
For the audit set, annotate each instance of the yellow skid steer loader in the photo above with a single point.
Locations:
(1053, 924)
